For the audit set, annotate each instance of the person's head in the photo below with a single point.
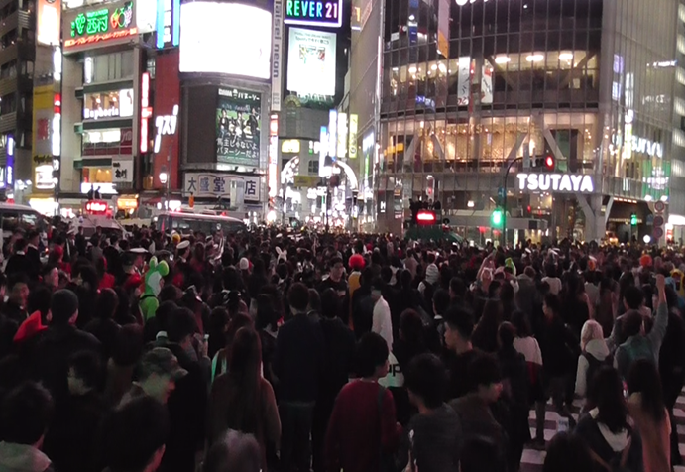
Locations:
(441, 301)
(633, 324)
(64, 307)
(246, 354)
(457, 287)
(106, 303)
(377, 287)
(337, 269)
(426, 381)
(643, 378)
(330, 303)
(25, 414)
(158, 372)
(84, 373)
(411, 328)
(181, 326)
(551, 306)
(298, 298)
(632, 298)
(607, 395)
(128, 345)
(40, 299)
(521, 322)
(50, 276)
(506, 334)
(234, 452)
(133, 436)
(485, 377)
(20, 293)
(458, 327)
(567, 452)
(591, 330)
(372, 356)
(314, 303)
(33, 238)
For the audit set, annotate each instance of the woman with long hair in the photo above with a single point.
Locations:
(241, 399)
(485, 334)
(646, 407)
(221, 360)
(605, 428)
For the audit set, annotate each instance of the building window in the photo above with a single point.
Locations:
(109, 67)
(313, 167)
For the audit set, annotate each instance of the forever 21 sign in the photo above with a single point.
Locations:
(321, 13)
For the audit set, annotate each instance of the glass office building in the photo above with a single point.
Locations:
(470, 86)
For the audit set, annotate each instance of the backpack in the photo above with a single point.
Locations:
(594, 365)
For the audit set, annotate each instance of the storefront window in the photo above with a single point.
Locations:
(116, 103)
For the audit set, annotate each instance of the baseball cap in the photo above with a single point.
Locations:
(161, 361)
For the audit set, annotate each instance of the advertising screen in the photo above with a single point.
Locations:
(321, 13)
(48, 22)
(238, 119)
(117, 103)
(311, 62)
(225, 38)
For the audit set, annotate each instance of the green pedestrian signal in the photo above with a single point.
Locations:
(497, 218)
(633, 219)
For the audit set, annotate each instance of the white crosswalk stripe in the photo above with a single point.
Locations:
(532, 459)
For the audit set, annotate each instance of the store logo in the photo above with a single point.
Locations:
(556, 182)
(166, 126)
(100, 25)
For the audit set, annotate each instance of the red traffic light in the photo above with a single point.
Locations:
(549, 162)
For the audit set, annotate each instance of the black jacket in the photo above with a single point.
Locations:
(19, 264)
(558, 345)
(106, 330)
(299, 360)
(53, 350)
(339, 346)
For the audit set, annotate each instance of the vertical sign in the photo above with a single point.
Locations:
(145, 111)
(277, 57)
(273, 156)
(48, 22)
(10, 161)
(354, 125)
(323, 150)
(332, 135)
(444, 28)
(57, 126)
(168, 24)
(342, 135)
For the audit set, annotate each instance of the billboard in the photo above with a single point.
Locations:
(48, 24)
(202, 184)
(99, 24)
(277, 58)
(318, 13)
(225, 38)
(311, 62)
(238, 119)
(116, 103)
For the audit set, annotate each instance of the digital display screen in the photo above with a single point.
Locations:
(324, 13)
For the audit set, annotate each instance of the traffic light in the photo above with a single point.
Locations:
(497, 218)
(633, 219)
(547, 163)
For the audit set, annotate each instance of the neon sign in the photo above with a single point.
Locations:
(323, 13)
(556, 182)
(168, 25)
(146, 110)
(102, 25)
(166, 126)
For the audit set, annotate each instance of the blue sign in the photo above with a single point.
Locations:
(322, 13)
(168, 24)
(427, 102)
(9, 174)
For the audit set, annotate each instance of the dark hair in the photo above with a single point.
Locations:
(411, 329)
(131, 434)
(314, 300)
(128, 345)
(521, 322)
(633, 297)
(181, 323)
(643, 378)
(234, 452)
(607, 395)
(441, 301)
(266, 312)
(484, 370)
(170, 293)
(485, 334)
(40, 299)
(506, 334)
(426, 378)
(554, 303)
(218, 324)
(460, 320)
(298, 296)
(330, 303)
(26, 414)
(244, 372)
(240, 320)
(87, 367)
(372, 352)
(106, 303)
(632, 322)
(567, 453)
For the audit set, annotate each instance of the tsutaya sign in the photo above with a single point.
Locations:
(556, 182)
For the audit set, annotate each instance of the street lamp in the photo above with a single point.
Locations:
(164, 179)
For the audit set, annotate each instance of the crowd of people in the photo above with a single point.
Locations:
(269, 351)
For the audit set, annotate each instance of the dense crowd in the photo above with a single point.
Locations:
(269, 351)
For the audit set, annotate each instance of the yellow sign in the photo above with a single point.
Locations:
(354, 125)
(290, 146)
(305, 181)
(127, 203)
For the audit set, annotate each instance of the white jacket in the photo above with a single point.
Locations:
(596, 348)
(382, 321)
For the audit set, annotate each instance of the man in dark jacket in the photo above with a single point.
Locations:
(25, 417)
(299, 364)
(33, 254)
(19, 263)
(59, 342)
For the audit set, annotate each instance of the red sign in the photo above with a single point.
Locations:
(96, 38)
(96, 207)
(146, 111)
(425, 217)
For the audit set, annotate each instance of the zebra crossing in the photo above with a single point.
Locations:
(532, 459)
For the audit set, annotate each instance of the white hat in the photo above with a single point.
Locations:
(138, 250)
(244, 264)
(72, 230)
(183, 244)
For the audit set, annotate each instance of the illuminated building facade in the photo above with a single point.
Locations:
(467, 87)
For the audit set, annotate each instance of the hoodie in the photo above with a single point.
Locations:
(16, 457)
(596, 348)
